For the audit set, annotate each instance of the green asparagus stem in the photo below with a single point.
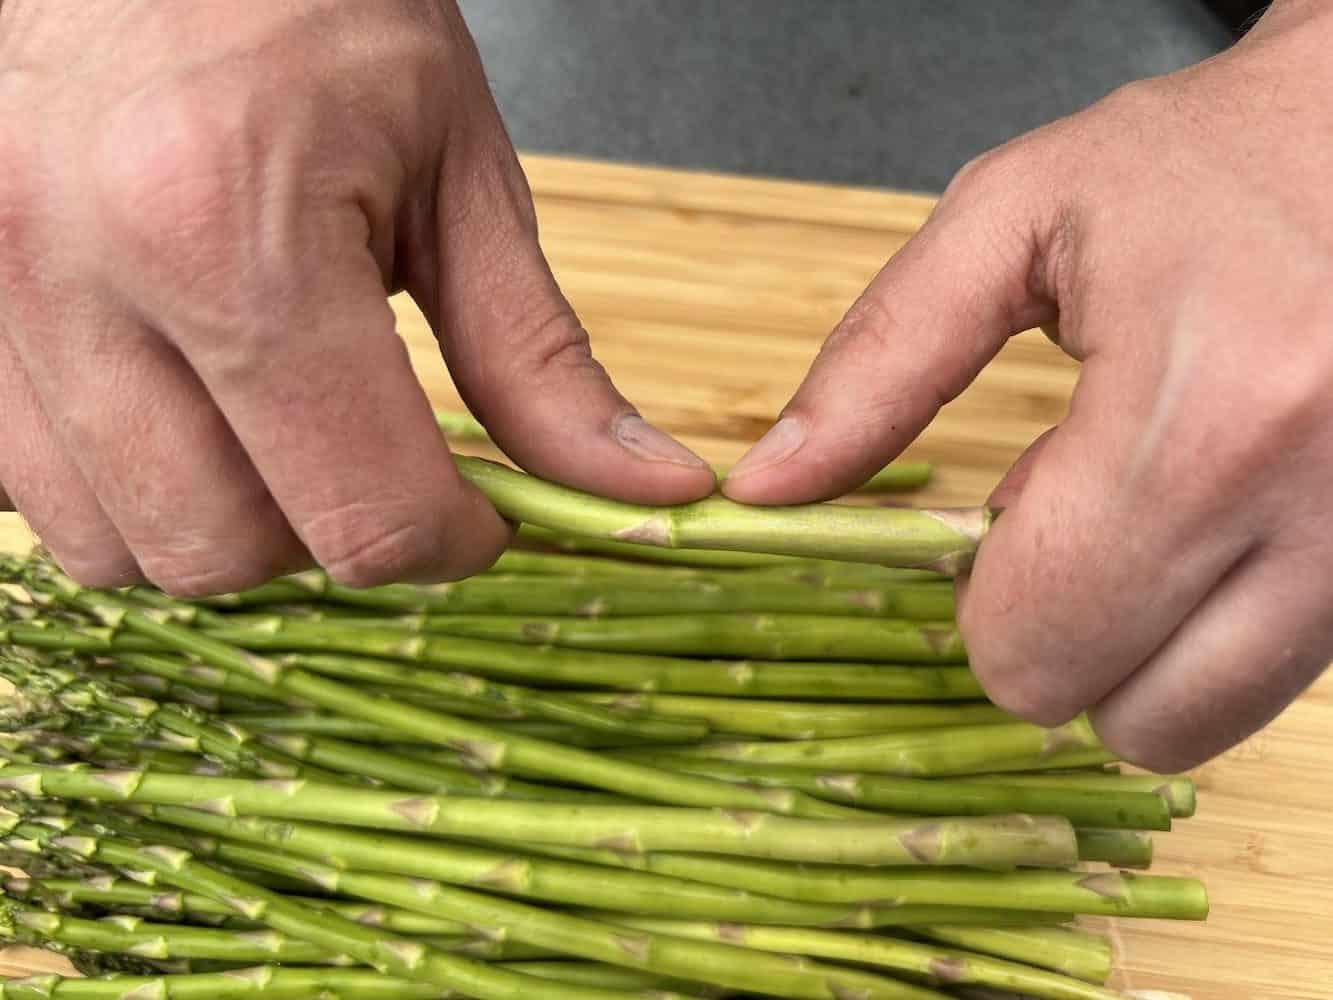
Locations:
(946, 966)
(1177, 790)
(757, 636)
(922, 753)
(802, 720)
(1121, 848)
(570, 668)
(941, 797)
(112, 893)
(387, 953)
(941, 540)
(598, 597)
(993, 842)
(402, 771)
(559, 565)
(531, 877)
(1074, 953)
(894, 478)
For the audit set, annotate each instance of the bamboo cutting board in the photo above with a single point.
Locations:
(707, 297)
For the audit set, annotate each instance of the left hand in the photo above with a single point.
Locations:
(1164, 558)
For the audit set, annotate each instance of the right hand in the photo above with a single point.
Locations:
(202, 209)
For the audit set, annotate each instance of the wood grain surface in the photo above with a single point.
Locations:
(707, 297)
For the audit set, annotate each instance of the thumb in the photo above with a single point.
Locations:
(979, 271)
(520, 357)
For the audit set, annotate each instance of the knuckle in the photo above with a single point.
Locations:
(364, 545)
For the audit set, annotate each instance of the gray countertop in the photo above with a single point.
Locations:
(893, 93)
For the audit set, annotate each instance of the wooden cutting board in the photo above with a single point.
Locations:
(708, 296)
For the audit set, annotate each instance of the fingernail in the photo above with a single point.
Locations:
(782, 441)
(645, 441)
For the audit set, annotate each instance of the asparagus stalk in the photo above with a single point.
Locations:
(1177, 790)
(990, 841)
(1073, 953)
(598, 597)
(390, 954)
(802, 720)
(112, 893)
(943, 965)
(1026, 894)
(940, 540)
(569, 668)
(921, 753)
(1108, 809)
(1121, 848)
(527, 876)
(896, 477)
(758, 636)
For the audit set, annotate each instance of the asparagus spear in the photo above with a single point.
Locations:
(1073, 953)
(1122, 848)
(1177, 790)
(387, 953)
(893, 478)
(1033, 892)
(940, 540)
(802, 720)
(527, 876)
(112, 893)
(553, 667)
(922, 753)
(759, 636)
(989, 841)
(946, 966)
(596, 597)
(1109, 809)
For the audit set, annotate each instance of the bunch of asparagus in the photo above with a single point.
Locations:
(589, 773)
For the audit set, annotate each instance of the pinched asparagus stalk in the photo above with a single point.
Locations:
(920, 753)
(941, 797)
(802, 720)
(390, 954)
(946, 966)
(894, 478)
(570, 668)
(1178, 791)
(992, 841)
(531, 877)
(941, 540)
(1074, 953)
(757, 636)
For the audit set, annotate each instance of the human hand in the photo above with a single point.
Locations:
(1163, 558)
(202, 207)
